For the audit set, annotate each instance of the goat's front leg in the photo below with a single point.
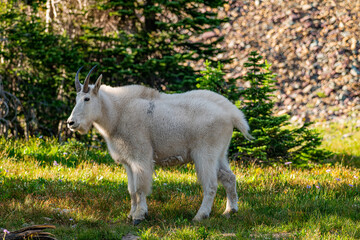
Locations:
(142, 209)
(131, 188)
(141, 175)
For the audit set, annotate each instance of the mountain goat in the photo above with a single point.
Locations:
(143, 127)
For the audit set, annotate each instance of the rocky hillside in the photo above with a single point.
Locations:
(313, 47)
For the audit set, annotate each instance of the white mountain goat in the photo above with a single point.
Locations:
(143, 127)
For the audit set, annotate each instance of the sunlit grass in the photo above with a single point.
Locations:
(344, 140)
(83, 193)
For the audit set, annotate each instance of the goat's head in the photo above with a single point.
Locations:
(88, 107)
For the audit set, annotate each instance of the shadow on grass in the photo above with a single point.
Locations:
(48, 152)
(78, 207)
(80, 210)
(345, 160)
(72, 159)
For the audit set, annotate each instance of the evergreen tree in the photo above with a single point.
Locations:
(152, 42)
(34, 68)
(155, 41)
(212, 79)
(275, 140)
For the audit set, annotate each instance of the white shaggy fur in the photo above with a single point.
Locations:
(143, 127)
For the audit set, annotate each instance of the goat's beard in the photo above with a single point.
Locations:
(82, 129)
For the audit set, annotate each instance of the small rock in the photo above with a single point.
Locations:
(354, 71)
(332, 20)
(47, 219)
(306, 7)
(307, 89)
(130, 236)
(328, 90)
(231, 44)
(347, 135)
(353, 44)
(287, 101)
(282, 112)
(207, 35)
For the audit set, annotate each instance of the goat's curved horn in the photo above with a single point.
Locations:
(86, 82)
(77, 82)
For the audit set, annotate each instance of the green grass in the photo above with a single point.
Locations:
(83, 193)
(344, 140)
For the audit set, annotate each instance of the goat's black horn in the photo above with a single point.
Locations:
(77, 82)
(86, 83)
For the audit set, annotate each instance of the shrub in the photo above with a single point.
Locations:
(275, 139)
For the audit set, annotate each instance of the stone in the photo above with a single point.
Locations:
(306, 7)
(328, 90)
(312, 46)
(130, 236)
(307, 89)
(354, 71)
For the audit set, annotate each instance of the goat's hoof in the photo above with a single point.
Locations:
(227, 213)
(137, 222)
(200, 217)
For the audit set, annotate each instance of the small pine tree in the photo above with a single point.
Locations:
(212, 79)
(275, 140)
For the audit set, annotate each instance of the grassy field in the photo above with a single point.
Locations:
(83, 193)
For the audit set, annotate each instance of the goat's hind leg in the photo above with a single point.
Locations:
(228, 180)
(206, 172)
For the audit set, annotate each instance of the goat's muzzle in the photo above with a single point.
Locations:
(71, 124)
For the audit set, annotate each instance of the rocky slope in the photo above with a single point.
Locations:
(313, 48)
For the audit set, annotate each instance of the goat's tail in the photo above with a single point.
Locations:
(240, 123)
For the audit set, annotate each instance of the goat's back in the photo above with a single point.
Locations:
(175, 124)
(178, 123)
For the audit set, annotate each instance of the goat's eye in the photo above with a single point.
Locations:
(86, 99)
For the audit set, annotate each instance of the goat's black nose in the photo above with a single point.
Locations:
(70, 123)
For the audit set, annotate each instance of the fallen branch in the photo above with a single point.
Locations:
(32, 232)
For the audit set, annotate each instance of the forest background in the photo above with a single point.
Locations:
(43, 43)
(313, 48)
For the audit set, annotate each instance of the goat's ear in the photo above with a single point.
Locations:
(97, 84)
